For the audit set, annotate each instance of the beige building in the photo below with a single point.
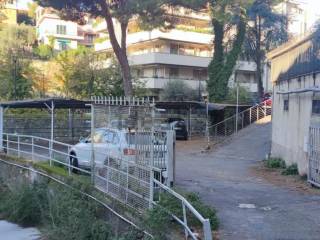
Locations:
(184, 53)
(295, 74)
(65, 34)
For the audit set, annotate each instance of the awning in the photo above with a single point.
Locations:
(65, 103)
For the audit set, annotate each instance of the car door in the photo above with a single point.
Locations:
(100, 147)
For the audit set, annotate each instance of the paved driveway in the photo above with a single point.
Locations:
(248, 206)
(10, 231)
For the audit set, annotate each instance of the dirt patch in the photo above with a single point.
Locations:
(275, 177)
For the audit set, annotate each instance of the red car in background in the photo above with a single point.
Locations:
(267, 99)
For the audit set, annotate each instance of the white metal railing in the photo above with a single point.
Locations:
(206, 227)
(38, 148)
(219, 131)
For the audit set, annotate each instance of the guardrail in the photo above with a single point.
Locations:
(185, 205)
(38, 148)
(220, 131)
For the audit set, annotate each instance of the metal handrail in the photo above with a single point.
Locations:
(185, 204)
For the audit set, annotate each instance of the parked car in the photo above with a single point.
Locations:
(267, 100)
(180, 128)
(118, 146)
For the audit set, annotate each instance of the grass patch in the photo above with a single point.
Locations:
(291, 170)
(158, 221)
(275, 163)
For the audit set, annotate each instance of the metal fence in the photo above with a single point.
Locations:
(220, 131)
(314, 155)
(132, 164)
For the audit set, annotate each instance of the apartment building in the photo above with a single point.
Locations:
(8, 15)
(183, 53)
(64, 34)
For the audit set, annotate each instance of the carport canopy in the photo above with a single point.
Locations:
(49, 103)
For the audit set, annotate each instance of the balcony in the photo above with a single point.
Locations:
(169, 59)
(159, 83)
(174, 34)
(246, 66)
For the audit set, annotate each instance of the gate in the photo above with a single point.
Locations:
(137, 154)
(314, 155)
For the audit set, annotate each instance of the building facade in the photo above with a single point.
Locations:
(9, 13)
(183, 53)
(51, 29)
(295, 74)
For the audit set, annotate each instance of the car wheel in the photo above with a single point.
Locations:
(74, 162)
(186, 137)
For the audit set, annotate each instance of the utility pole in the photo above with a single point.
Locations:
(14, 58)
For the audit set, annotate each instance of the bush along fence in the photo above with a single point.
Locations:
(31, 197)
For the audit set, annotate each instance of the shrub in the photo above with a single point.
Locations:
(157, 220)
(160, 218)
(24, 204)
(291, 170)
(275, 163)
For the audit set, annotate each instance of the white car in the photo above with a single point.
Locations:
(119, 146)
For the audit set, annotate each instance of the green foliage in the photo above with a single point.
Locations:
(291, 170)
(23, 204)
(82, 74)
(177, 90)
(275, 163)
(15, 42)
(267, 30)
(44, 51)
(225, 56)
(158, 220)
(244, 95)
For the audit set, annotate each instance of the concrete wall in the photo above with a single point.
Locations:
(290, 129)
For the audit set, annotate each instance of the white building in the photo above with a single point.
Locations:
(184, 53)
(295, 69)
(65, 34)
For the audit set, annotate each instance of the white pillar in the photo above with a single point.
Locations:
(52, 132)
(1, 129)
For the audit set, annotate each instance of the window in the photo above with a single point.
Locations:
(61, 29)
(174, 72)
(316, 106)
(174, 49)
(89, 38)
(63, 46)
(286, 105)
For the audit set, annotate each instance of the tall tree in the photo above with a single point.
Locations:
(15, 44)
(266, 30)
(149, 13)
(229, 26)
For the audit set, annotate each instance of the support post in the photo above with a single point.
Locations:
(207, 230)
(52, 132)
(184, 212)
(237, 108)
(1, 129)
(171, 157)
(92, 146)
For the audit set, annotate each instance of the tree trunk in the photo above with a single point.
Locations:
(258, 57)
(120, 52)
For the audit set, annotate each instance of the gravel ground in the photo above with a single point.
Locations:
(252, 203)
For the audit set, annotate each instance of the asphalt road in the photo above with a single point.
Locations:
(248, 206)
(10, 231)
